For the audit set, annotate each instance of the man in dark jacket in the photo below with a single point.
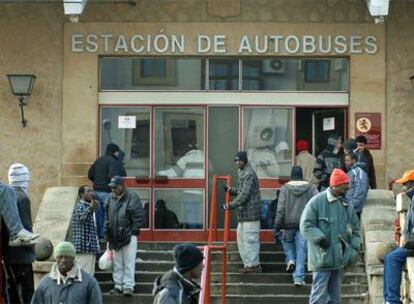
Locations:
(100, 173)
(395, 260)
(67, 282)
(164, 218)
(177, 285)
(124, 219)
(328, 160)
(366, 156)
(248, 203)
(18, 260)
(84, 236)
(293, 198)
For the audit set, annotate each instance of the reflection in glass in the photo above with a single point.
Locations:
(179, 142)
(144, 195)
(178, 209)
(135, 142)
(224, 74)
(267, 138)
(268, 208)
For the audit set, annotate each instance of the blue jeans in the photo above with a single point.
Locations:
(9, 211)
(326, 287)
(393, 263)
(295, 248)
(100, 213)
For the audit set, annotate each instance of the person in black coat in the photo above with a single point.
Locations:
(100, 173)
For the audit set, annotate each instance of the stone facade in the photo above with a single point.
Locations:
(32, 41)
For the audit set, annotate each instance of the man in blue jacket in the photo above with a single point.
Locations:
(358, 187)
(331, 227)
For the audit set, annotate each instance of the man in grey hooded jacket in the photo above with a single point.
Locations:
(293, 198)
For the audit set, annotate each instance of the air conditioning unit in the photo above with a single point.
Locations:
(263, 136)
(273, 66)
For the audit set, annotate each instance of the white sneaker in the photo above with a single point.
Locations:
(24, 238)
(290, 266)
(299, 283)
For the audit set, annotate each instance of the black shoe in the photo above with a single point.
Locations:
(115, 291)
(128, 292)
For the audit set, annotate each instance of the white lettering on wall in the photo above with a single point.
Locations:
(244, 45)
(161, 43)
(276, 39)
(77, 43)
(356, 44)
(340, 45)
(121, 44)
(134, 44)
(106, 38)
(309, 44)
(258, 48)
(292, 44)
(371, 45)
(92, 43)
(203, 44)
(220, 44)
(325, 45)
(177, 44)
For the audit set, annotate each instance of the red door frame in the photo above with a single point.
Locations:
(152, 183)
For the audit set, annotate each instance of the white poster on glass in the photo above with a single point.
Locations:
(127, 122)
(329, 123)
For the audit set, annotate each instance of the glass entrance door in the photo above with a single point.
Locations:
(165, 163)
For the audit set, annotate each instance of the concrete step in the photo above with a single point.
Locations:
(237, 299)
(251, 288)
(170, 245)
(282, 277)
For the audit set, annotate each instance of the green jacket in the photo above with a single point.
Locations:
(336, 220)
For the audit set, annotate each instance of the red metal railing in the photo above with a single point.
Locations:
(213, 246)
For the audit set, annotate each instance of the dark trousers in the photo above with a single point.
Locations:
(19, 283)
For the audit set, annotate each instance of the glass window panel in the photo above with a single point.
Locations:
(223, 121)
(151, 73)
(268, 208)
(296, 74)
(223, 74)
(267, 138)
(144, 195)
(134, 142)
(178, 209)
(179, 142)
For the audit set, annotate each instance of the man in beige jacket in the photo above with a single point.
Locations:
(306, 161)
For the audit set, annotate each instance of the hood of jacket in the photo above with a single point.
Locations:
(174, 280)
(298, 188)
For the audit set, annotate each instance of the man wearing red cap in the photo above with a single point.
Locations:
(331, 227)
(305, 160)
(395, 260)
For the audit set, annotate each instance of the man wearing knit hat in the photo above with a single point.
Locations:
(178, 286)
(100, 173)
(67, 283)
(305, 160)
(9, 212)
(248, 204)
(395, 260)
(331, 227)
(18, 261)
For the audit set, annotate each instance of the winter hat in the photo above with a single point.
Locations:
(338, 177)
(332, 139)
(116, 181)
(64, 249)
(302, 145)
(350, 145)
(112, 148)
(19, 176)
(242, 156)
(187, 257)
(296, 173)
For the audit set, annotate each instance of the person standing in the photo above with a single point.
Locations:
(124, 219)
(358, 187)
(366, 157)
(305, 160)
(293, 198)
(17, 261)
(177, 286)
(247, 202)
(330, 225)
(395, 260)
(100, 174)
(329, 159)
(84, 235)
(67, 282)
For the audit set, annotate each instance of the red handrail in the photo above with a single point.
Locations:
(210, 247)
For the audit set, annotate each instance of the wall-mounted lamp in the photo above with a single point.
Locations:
(22, 87)
(412, 80)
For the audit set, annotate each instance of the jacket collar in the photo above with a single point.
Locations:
(331, 198)
(190, 286)
(75, 274)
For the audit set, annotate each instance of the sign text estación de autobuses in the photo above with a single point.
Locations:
(219, 44)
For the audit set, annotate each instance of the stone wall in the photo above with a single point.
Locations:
(31, 41)
(400, 93)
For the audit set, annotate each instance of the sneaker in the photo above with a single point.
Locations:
(290, 266)
(128, 292)
(24, 238)
(115, 290)
(299, 283)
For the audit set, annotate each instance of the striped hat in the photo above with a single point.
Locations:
(19, 176)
